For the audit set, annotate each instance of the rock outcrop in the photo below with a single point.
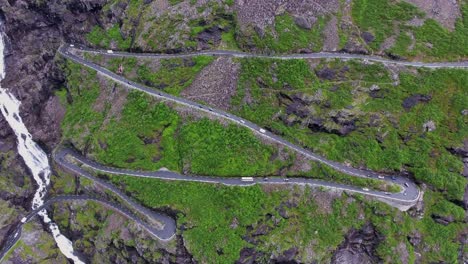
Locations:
(359, 246)
(34, 31)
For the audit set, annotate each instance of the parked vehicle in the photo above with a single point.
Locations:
(381, 177)
(247, 179)
(110, 51)
(262, 130)
(365, 189)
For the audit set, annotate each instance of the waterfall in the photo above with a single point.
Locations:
(34, 158)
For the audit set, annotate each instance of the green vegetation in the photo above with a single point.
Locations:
(176, 74)
(135, 131)
(174, 2)
(445, 44)
(323, 172)
(218, 218)
(397, 142)
(288, 36)
(196, 149)
(431, 40)
(170, 75)
(378, 17)
(103, 38)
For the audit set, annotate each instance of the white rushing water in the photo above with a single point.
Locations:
(33, 156)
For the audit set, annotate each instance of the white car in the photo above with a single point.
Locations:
(242, 121)
(71, 45)
(381, 177)
(262, 130)
(365, 189)
(110, 51)
(23, 220)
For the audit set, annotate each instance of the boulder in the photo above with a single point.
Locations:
(367, 37)
(305, 23)
(413, 100)
(442, 219)
(429, 126)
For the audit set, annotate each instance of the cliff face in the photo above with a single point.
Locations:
(34, 31)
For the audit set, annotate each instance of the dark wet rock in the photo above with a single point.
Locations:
(359, 246)
(415, 238)
(249, 256)
(34, 31)
(297, 109)
(413, 100)
(283, 208)
(287, 257)
(460, 151)
(463, 153)
(442, 219)
(367, 36)
(326, 74)
(209, 37)
(465, 198)
(353, 46)
(346, 120)
(377, 94)
(374, 120)
(261, 230)
(316, 124)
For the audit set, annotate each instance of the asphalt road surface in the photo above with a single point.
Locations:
(15, 235)
(317, 55)
(410, 193)
(168, 229)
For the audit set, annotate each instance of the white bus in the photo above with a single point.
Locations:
(247, 179)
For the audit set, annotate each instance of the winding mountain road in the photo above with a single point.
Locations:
(410, 191)
(166, 234)
(240, 54)
(408, 196)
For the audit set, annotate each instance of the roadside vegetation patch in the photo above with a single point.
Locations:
(149, 135)
(431, 40)
(273, 220)
(352, 112)
(285, 36)
(169, 75)
(109, 38)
